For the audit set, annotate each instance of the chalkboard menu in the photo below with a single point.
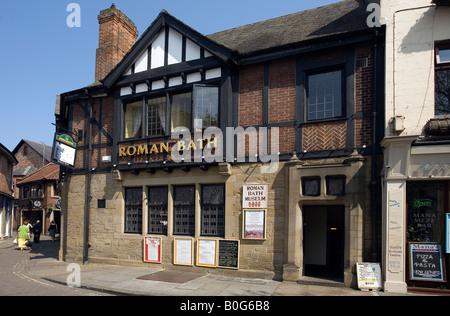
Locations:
(426, 262)
(229, 254)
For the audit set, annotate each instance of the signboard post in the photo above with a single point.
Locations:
(425, 262)
(369, 276)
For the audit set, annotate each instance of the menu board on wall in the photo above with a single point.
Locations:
(425, 262)
(152, 249)
(206, 252)
(183, 251)
(229, 254)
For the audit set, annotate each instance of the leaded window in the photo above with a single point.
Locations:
(157, 210)
(442, 81)
(156, 116)
(133, 210)
(325, 95)
(184, 210)
(213, 210)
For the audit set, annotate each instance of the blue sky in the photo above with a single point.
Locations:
(40, 56)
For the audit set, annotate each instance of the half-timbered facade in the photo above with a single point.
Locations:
(177, 143)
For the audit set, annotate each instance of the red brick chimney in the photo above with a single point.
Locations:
(117, 35)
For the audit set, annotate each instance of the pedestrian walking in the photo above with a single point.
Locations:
(23, 236)
(52, 230)
(37, 230)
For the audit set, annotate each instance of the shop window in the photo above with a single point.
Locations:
(335, 185)
(311, 186)
(213, 210)
(442, 81)
(133, 120)
(184, 210)
(156, 116)
(157, 210)
(133, 210)
(325, 97)
(426, 215)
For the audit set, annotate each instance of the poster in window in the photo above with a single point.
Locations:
(206, 252)
(183, 251)
(254, 224)
(447, 236)
(152, 249)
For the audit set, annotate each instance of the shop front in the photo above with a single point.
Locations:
(416, 207)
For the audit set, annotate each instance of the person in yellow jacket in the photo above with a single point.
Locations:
(23, 235)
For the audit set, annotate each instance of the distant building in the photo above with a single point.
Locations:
(39, 197)
(7, 161)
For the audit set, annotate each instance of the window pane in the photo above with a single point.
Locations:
(311, 186)
(425, 211)
(133, 120)
(184, 210)
(157, 210)
(181, 111)
(213, 210)
(444, 55)
(442, 98)
(133, 210)
(156, 116)
(206, 107)
(325, 95)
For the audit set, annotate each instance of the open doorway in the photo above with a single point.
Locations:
(323, 241)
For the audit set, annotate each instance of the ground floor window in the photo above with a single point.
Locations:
(133, 210)
(177, 205)
(184, 210)
(213, 210)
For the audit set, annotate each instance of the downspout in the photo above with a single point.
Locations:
(373, 181)
(88, 189)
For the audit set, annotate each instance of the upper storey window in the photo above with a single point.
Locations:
(325, 97)
(161, 115)
(442, 81)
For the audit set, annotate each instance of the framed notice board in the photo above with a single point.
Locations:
(228, 254)
(425, 262)
(207, 252)
(254, 224)
(152, 249)
(183, 249)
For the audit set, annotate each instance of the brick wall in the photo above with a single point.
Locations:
(251, 95)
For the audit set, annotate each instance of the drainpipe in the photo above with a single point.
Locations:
(88, 189)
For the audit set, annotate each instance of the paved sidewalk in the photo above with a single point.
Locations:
(150, 281)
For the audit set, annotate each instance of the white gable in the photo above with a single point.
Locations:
(157, 52)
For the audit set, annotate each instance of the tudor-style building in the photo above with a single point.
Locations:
(132, 195)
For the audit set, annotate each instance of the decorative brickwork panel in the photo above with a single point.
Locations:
(324, 136)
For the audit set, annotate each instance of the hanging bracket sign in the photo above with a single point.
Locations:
(64, 150)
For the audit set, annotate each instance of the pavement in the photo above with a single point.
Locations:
(153, 281)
